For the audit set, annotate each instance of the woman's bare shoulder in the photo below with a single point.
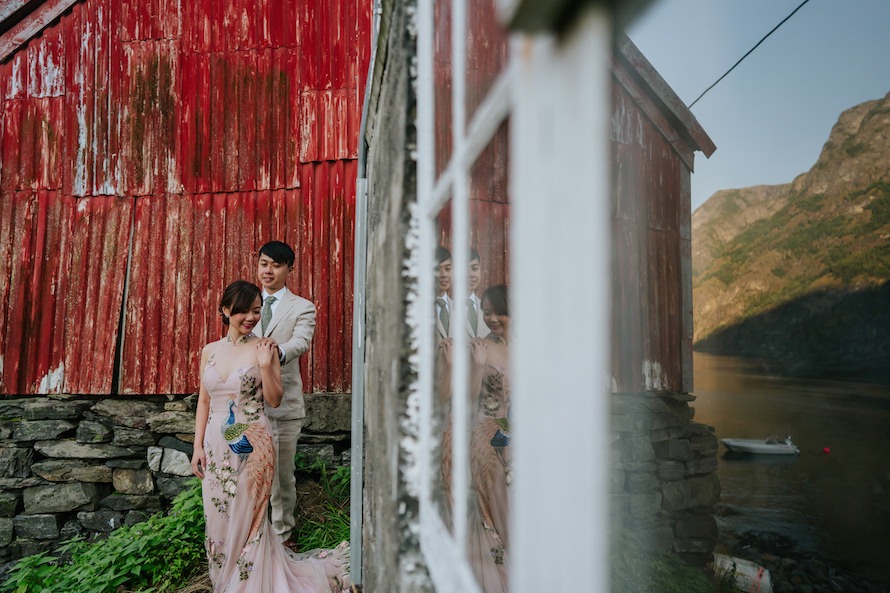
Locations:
(210, 348)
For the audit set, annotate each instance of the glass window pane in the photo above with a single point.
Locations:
(442, 76)
(488, 328)
(486, 52)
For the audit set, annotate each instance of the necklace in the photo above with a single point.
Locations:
(496, 338)
(242, 340)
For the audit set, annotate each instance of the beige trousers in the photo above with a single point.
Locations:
(284, 486)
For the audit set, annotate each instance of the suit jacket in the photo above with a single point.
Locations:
(292, 327)
(480, 331)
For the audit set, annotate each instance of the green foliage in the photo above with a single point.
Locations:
(730, 207)
(880, 209)
(328, 525)
(155, 556)
(327, 531)
(757, 233)
(812, 203)
(635, 570)
(779, 272)
(807, 237)
(725, 273)
(874, 263)
(853, 149)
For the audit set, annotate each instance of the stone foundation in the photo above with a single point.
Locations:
(86, 465)
(664, 483)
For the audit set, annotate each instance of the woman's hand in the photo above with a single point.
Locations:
(479, 351)
(266, 349)
(199, 462)
(445, 347)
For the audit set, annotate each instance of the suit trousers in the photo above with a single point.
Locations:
(284, 486)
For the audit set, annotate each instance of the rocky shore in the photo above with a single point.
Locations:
(795, 571)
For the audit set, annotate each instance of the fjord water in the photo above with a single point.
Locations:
(834, 498)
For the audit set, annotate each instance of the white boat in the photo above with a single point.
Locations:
(768, 446)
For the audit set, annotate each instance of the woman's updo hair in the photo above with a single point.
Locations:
(239, 297)
(497, 299)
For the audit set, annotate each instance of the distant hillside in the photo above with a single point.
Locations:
(798, 273)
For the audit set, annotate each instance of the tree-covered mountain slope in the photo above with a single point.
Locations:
(798, 272)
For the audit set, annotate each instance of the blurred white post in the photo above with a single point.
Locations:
(559, 301)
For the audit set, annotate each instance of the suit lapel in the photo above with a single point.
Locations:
(281, 311)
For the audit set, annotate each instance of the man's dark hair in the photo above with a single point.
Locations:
(474, 255)
(279, 252)
(442, 254)
(239, 297)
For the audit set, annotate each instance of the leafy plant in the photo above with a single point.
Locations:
(154, 556)
(324, 522)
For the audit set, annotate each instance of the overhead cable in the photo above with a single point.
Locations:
(748, 53)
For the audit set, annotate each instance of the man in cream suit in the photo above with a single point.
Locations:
(476, 327)
(443, 287)
(290, 321)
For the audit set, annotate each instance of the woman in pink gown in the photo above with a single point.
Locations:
(235, 458)
(488, 524)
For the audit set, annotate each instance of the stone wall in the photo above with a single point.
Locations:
(664, 474)
(86, 465)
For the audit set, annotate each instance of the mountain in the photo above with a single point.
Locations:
(799, 273)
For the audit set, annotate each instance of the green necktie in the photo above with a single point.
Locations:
(266, 313)
(472, 315)
(443, 313)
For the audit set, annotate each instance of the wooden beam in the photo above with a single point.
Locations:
(9, 8)
(31, 25)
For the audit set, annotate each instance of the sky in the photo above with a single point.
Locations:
(770, 116)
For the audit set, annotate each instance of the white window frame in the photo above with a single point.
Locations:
(560, 270)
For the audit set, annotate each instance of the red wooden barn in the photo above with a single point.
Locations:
(147, 149)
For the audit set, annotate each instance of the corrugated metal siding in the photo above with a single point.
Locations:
(647, 299)
(489, 211)
(486, 57)
(203, 129)
(61, 275)
(93, 289)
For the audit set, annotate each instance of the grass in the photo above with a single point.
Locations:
(636, 570)
(165, 554)
(322, 510)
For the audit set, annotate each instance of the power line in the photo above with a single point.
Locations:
(748, 53)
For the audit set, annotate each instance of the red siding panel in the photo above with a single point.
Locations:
(46, 65)
(77, 177)
(62, 287)
(148, 99)
(648, 208)
(13, 83)
(98, 244)
(104, 149)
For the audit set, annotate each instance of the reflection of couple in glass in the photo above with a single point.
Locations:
(445, 304)
(490, 451)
